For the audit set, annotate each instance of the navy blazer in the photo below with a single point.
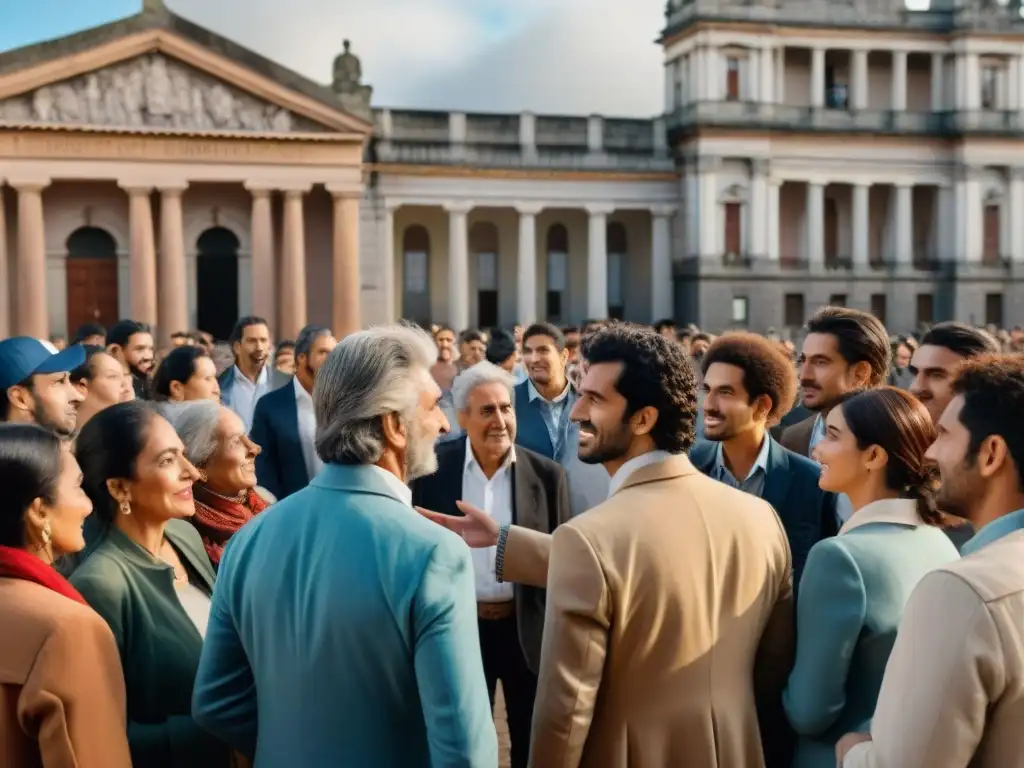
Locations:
(531, 431)
(281, 465)
(791, 486)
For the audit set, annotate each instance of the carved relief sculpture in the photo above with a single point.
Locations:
(158, 92)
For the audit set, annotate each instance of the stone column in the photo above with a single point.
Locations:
(971, 87)
(859, 76)
(709, 229)
(31, 311)
(458, 264)
(815, 222)
(387, 261)
(263, 277)
(899, 81)
(757, 211)
(292, 298)
(1016, 201)
(143, 254)
(698, 75)
(5, 279)
(772, 224)
(173, 307)
(1019, 64)
(904, 241)
(597, 261)
(766, 75)
(346, 314)
(967, 216)
(526, 265)
(662, 282)
(818, 77)
(859, 221)
(938, 81)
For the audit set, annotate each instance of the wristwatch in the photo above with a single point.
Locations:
(499, 558)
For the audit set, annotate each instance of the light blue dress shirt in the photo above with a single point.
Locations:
(994, 531)
(555, 414)
(753, 483)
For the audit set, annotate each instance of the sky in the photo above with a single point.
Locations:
(545, 56)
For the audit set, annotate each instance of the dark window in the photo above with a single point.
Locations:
(794, 310)
(925, 309)
(878, 306)
(837, 300)
(990, 254)
(732, 79)
(733, 228)
(994, 309)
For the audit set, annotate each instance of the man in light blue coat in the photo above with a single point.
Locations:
(343, 629)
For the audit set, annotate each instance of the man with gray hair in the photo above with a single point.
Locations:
(343, 626)
(513, 485)
(283, 424)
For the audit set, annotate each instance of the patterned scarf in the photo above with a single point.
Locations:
(19, 564)
(218, 517)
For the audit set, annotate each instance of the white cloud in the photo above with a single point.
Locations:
(552, 56)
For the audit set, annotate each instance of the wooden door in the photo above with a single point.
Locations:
(732, 80)
(92, 291)
(733, 228)
(990, 256)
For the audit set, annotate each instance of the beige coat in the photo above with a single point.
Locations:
(953, 692)
(63, 701)
(665, 606)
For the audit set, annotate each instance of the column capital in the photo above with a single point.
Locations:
(458, 206)
(296, 189)
(1017, 174)
(29, 183)
(391, 204)
(259, 188)
(599, 209)
(343, 190)
(761, 166)
(172, 189)
(135, 187)
(664, 210)
(528, 208)
(706, 164)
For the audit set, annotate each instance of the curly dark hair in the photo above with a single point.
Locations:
(655, 373)
(993, 390)
(767, 369)
(861, 337)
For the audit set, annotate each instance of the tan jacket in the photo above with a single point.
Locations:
(63, 701)
(953, 692)
(663, 606)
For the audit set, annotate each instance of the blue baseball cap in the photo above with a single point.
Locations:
(23, 356)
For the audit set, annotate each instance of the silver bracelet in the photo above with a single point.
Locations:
(499, 558)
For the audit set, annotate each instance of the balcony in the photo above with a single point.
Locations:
(785, 117)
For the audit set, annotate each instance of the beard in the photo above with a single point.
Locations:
(420, 458)
(607, 446)
(42, 418)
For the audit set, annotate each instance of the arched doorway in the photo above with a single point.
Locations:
(217, 281)
(91, 278)
(484, 245)
(416, 274)
(618, 248)
(558, 274)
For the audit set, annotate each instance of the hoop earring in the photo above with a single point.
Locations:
(202, 476)
(125, 508)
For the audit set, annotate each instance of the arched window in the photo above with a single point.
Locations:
(91, 278)
(416, 274)
(617, 250)
(483, 238)
(558, 272)
(216, 282)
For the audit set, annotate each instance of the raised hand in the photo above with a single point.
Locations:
(477, 528)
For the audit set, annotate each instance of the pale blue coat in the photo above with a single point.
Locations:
(344, 632)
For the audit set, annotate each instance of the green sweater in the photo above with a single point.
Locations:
(160, 646)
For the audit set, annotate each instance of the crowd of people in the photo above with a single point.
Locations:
(667, 548)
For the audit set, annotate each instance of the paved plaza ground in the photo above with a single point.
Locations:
(501, 723)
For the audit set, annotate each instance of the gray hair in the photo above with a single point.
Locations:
(195, 421)
(471, 378)
(368, 375)
(307, 336)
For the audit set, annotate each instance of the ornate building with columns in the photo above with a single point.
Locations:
(808, 153)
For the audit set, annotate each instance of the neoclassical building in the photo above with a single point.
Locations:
(807, 153)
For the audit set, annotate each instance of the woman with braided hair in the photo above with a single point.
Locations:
(855, 585)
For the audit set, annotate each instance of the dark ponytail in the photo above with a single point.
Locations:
(897, 422)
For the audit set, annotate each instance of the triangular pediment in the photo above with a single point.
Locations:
(158, 81)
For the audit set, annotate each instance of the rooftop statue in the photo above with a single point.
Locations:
(348, 77)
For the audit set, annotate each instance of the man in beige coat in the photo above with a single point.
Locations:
(669, 607)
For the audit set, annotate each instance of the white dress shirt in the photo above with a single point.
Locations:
(631, 466)
(244, 392)
(493, 496)
(307, 429)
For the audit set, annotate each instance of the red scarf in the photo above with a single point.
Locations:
(19, 564)
(218, 518)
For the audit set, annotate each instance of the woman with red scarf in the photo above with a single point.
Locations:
(226, 495)
(63, 696)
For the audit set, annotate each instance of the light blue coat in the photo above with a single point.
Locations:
(344, 632)
(852, 594)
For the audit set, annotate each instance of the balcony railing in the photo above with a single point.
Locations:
(758, 266)
(787, 117)
(489, 156)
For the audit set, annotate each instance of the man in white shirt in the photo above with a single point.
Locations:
(284, 425)
(511, 484)
(244, 383)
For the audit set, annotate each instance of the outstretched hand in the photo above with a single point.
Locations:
(477, 528)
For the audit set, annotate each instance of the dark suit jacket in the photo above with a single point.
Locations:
(531, 431)
(280, 467)
(791, 486)
(540, 501)
(797, 437)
